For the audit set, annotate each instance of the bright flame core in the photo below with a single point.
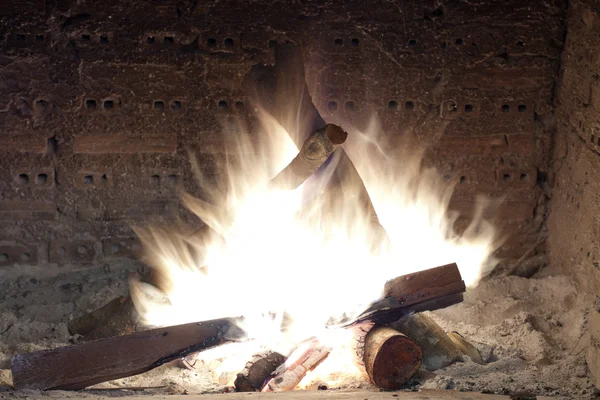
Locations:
(301, 255)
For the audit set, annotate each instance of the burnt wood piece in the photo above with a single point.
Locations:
(115, 318)
(256, 372)
(388, 357)
(426, 290)
(86, 364)
(306, 357)
(439, 350)
(315, 150)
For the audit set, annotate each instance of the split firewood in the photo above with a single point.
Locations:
(86, 364)
(466, 348)
(304, 359)
(427, 290)
(388, 357)
(439, 350)
(256, 372)
(315, 150)
(117, 317)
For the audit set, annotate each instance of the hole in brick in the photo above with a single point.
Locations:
(23, 179)
(172, 179)
(239, 105)
(20, 37)
(155, 179)
(223, 104)
(523, 177)
(211, 42)
(272, 44)
(412, 43)
(522, 108)
(176, 105)
(41, 103)
(115, 248)
(41, 179)
(469, 108)
(438, 12)
(505, 108)
(39, 38)
(228, 42)
(168, 40)
(460, 42)
(85, 37)
(103, 179)
(332, 106)
(462, 179)
(159, 105)
(355, 42)
(392, 104)
(90, 103)
(592, 139)
(520, 44)
(82, 249)
(25, 257)
(349, 106)
(444, 45)
(338, 42)
(150, 40)
(61, 251)
(108, 104)
(3, 257)
(103, 39)
(507, 177)
(409, 105)
(88, 179)
(598, 141)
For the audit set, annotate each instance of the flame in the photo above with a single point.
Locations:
(288, 256)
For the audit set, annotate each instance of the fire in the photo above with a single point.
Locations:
(279, 262)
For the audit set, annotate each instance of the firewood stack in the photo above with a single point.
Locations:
(392, 339)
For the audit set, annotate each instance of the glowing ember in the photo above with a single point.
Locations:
(291, 252)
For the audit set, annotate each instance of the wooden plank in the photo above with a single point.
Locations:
(82, 365)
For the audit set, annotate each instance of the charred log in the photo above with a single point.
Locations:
(82, 365)
(257, 371)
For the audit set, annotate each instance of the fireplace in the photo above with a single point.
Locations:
(135, 133)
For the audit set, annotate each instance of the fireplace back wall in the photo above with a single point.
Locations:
(99, 102)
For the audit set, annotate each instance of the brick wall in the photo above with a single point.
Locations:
(98, 102)
(574, 222)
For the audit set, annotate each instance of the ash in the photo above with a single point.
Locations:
(533, 328)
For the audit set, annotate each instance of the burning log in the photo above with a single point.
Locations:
(388, 357)
(304, 359)
(82, 365)
(439, 350)
(115, 318)
(256, 372)
(314, 152)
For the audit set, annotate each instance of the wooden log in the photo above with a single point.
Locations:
(466, 348)
(115, 318)
(439, 350)
(282, 91)
(304, 359)
(82, 365)
(315, 150)
(426, 290)
(388, 357)
(255, 374)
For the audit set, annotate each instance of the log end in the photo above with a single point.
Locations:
(336, 134)
(391, 358)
